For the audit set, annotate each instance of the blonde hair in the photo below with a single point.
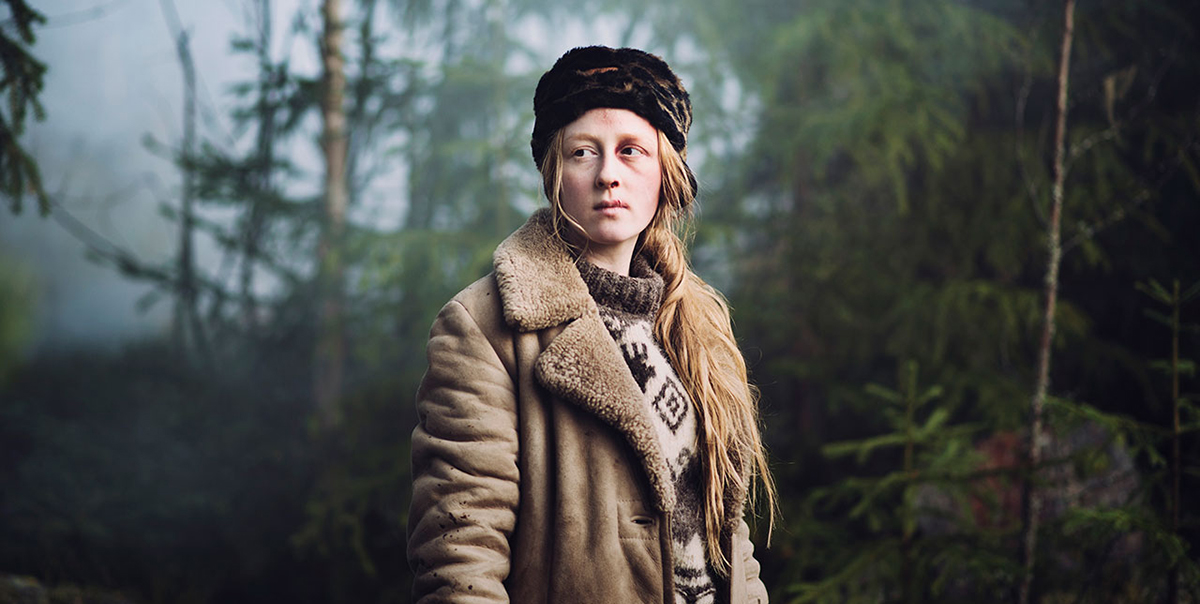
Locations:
(694, 327)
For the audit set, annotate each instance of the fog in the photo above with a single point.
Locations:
(113, 80)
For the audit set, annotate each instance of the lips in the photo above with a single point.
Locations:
(609, 204)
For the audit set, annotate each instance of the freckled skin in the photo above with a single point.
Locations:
(611, 180)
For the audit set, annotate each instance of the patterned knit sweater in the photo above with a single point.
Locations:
(628, 306)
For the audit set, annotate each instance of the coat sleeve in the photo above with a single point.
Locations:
(464, 467)
(756, 591)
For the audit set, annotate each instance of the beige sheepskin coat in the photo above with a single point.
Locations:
(537, 476)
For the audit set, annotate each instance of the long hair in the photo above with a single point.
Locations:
(693, 325)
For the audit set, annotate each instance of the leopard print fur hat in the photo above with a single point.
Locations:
(623, 78)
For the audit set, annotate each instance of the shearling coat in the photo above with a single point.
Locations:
(537, 476)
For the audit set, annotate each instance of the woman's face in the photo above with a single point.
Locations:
(611, 177)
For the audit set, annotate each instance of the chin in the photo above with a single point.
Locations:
(614, 237)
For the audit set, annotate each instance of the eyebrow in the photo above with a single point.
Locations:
(621, 137)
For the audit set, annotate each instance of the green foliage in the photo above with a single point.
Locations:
(882, 88)
(27, 590)
(21, 85)
(16, 315)
(928, 484)
(865, 273)
(873, 175)
(137, 472)
(890, 207)
(1139, 438)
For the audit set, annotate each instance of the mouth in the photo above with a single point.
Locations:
(609, 204)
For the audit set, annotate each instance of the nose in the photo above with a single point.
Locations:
(607, 177)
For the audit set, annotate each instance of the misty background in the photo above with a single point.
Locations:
(208, 361)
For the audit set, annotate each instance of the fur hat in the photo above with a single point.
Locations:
(624, 78)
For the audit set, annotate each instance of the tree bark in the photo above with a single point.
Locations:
(264, 158)
(330, 347)
(187, 287)
(187, 331)
(1031, 500)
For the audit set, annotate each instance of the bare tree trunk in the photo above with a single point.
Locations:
(187, 289)
(187, 331)
(1031, 500)
(264, 158)
(330, 349)
(359, 126)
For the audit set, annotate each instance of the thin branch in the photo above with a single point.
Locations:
(186, 325)
(1031, 500)
(1081, 148)
(1087, 144)
(1088, 231)
(76, 17)
(103, 249)
(1019, 122)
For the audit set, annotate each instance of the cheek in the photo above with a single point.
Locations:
(575, 188)
(653, 184)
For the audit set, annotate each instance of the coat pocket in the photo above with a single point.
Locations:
(641, 540)
(636, 521)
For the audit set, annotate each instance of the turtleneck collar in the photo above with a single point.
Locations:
(640, 293)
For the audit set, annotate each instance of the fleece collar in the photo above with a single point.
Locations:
(536, 275)
(540, 288)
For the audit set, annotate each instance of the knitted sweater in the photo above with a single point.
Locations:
(628, 306)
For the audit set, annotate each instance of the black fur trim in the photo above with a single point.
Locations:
(625, 78)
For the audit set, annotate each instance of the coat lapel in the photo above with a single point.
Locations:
(538, 282)
(540, 287)
(584, 366)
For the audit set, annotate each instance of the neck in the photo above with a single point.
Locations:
(617, 263)
(615, 258)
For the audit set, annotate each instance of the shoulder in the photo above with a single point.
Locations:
(471, 324)
(481, 301)
(481, 293)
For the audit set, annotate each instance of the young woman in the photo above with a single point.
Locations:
(586, 429)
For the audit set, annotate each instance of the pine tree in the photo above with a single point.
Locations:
(22, 84)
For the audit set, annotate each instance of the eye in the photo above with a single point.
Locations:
(582, 152)
(632, 151)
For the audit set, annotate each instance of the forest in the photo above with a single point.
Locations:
(960, 239)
